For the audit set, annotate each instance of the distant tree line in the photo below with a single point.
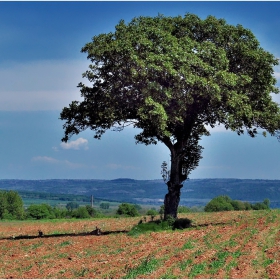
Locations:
(225, 203)
(11, 208)
(132, 210)
(53, 196)
(45, 211)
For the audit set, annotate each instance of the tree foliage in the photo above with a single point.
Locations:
(152, 212)
(70, 206)
(104, 205)
(184, 209)
(81, 213)
(173, 78)
(40, 211)
(225, 203)
(11, 205)
(220, 203)
(127, 210)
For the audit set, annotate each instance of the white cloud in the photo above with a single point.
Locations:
(45, 159)
(40, 85)
(78, 144)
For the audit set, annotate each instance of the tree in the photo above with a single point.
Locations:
(219, 203)
(11, 205)
(238, 205)
(15, 205)
(40, 211)
(127, 209)
(70, 206)
(266, 202)
(3, 203)
(173, 78)
(104, 205)
(152, 212)
(261, 206)
(184, 209)
(81, 213)
(92, 212)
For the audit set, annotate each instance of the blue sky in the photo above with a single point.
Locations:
(41, 65)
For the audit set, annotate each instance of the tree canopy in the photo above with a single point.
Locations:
(174, 77)
(11, 205)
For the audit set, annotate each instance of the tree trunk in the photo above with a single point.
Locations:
(171, 201)
(172, 198)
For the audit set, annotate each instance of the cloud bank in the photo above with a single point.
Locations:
(78, 144)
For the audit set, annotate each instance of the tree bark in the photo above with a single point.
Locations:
(172, 198)
(171, 201)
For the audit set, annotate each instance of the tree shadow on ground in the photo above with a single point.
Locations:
(96, 232)
(183, 223)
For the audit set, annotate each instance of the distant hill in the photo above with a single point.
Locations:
(195, 191)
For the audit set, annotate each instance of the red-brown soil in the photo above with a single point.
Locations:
(243, 244)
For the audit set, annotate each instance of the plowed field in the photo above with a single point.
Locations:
(243, 244)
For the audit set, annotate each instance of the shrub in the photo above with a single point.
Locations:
(72, 205)
(266, 202)
(160, 225)
(92, 211)
(238, 205)
(104, 205)
(261, 206)
(161, 212)
(248, 206)
(81, 213)
(225, 203)
(170, 220)
(40, 211)
(7, 216)
(153, 226)
(60, 213)
(219, 203)
(152, 212)
(127, 210)
(183, 209)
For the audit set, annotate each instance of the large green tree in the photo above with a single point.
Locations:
(174, 77)
(11, 205)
